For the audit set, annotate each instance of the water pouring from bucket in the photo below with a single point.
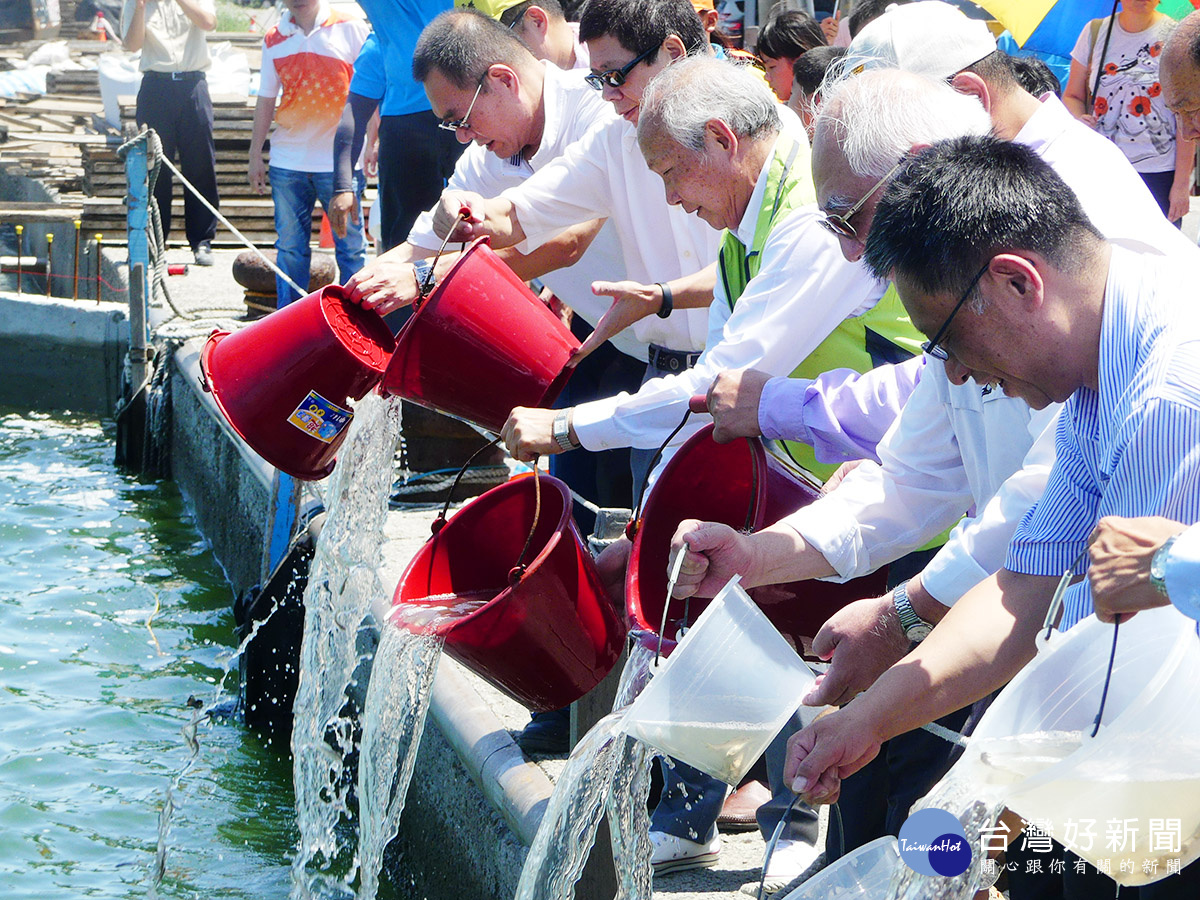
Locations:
(510, 586)
(724, 693)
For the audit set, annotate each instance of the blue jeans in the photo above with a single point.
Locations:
(295, 194)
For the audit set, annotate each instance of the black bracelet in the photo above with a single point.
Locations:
(668, 302)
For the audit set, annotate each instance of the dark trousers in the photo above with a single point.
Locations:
(180, 111)
(415, 159)
(603, 477)
(1159, 184)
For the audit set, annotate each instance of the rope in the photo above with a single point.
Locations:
(224, 221)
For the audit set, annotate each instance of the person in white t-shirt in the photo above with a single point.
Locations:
(1114, 87)
(309, 57)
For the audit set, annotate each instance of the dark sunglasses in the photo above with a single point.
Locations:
(616, 77)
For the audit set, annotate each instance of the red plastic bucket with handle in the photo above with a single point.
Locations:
(284, 382)
(481, 344)
(744, 486)
(545, 636)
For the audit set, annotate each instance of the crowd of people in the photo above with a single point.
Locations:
(883, 244)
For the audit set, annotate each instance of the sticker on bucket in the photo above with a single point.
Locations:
(318, 417)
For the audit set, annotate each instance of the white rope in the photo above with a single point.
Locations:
(224, 221)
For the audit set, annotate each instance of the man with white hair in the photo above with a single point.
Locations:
(955, 446)
(1179, 72)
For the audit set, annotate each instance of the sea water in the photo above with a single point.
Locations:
(115, 622)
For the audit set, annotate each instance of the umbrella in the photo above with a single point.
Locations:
(1053, 26)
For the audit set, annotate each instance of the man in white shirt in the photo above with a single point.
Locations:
(955, 446)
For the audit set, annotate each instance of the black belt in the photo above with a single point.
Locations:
(176, 76)
(672, 360)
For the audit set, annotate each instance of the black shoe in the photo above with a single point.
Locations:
(547, 732)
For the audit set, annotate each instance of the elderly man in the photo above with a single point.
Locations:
(994, 257)
(604, 175)
(1179, 72)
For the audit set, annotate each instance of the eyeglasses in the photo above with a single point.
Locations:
(456, 124)
(616, 77)
(933, 347)
(839, 223)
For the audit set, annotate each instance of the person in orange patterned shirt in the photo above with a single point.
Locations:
(307, 63)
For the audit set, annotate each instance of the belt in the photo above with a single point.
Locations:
(176, 76)
(672, 360)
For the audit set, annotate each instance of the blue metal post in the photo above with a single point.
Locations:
(137, 204)
(282, 514)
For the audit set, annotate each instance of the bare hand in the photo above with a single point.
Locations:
(833, 747)
(371, 159)
(733, 400)
(611, 564)
(715, 554)
(447, 219)
(383, 285)
(343, 209)
(633, 302)
(1089, 120)
(257, 173)
(1180, 201)
(829, 26)
(863, 639)
(529, 433)
(1121, 550)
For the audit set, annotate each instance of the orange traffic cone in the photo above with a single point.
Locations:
(326, 240)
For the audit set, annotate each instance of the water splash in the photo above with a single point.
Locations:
(394, 719)
(607, 770)
(343, 582)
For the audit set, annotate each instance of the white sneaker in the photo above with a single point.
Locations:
(790, 860)
(675, 854)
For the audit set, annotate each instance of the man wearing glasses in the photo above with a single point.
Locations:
(1058, 315)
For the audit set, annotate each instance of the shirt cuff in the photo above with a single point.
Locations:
(594, 424)
(951, 573)
(781, 409)
(833, 533)
(1182, 574)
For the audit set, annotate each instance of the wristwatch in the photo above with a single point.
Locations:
(562, 430)
(915, 628)
(1158, 566)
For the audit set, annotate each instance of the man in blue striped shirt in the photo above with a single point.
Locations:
(994, 258)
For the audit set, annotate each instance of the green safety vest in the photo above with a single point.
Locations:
(883, 334)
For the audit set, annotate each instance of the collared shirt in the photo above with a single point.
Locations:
(572, 109)
(173, 42)
(583, 58)
(803, 278)
(604, 175)
(313, 72)
(1131, 448)
(864, 523)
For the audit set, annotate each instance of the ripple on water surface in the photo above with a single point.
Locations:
(92, 698)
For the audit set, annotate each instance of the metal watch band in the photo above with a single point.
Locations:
(562, 430)
(915, 628)
(1158, 566)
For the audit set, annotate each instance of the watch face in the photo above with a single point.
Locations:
(918, 633)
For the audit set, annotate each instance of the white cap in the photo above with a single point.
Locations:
(929, 38)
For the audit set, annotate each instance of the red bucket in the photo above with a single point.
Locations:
(745, 487)
(284, 383)
(546, 640)
(480, 345)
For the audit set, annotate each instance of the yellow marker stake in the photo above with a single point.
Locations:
(99, 241)
(49, 262)
(20, 250)
(75, 278)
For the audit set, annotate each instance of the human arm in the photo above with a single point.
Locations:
(981, 643)
(347, 144)
(1181, 187)
(1074, 96)
(1121, 551)
(264, 112)
(634, 301)
(842, 414)
(200, 13)
(465, 216)
(133, 25)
